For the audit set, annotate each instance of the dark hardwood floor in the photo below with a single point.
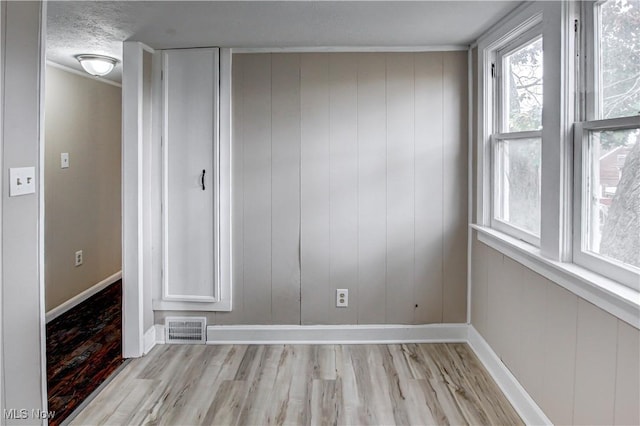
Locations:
(84, 346)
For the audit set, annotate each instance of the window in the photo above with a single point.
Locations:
(607, 145)
(516, 140)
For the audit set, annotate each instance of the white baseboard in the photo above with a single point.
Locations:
(75, 301)
(522, 402)
(335, 334)
(159, 334)
(150, 340)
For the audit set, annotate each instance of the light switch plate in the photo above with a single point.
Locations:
(22, 181)
(64, 160)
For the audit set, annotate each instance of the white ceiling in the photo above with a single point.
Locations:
(76, 27)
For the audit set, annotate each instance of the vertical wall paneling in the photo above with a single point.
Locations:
(348, 172)
(372, 188)
(479, 279)
(455, 178)
(236, 315)
(595, 365)
(494, 290)
(508, 308)
(343, 184)
(315, 190)
(428, 177)
(530, 351)
(580, 364)
(560, 353)
(257, 189)
(285, 188)
(627, 376)
(400, 188)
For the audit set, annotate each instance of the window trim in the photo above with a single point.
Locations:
(589, 34)
(625, 274)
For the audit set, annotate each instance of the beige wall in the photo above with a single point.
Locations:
(82, 203)
(350, 171)
(579, 363)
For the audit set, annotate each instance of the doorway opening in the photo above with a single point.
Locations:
(82, 235)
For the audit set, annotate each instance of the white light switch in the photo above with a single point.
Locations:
(64, 160)
(22, 181)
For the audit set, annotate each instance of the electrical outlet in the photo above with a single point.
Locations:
(342, 298)
(79, 258)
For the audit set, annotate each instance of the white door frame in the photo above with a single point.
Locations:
(133, 247)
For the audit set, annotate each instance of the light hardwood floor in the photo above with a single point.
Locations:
(302, 384)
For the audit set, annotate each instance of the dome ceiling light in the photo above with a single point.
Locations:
(97, 65)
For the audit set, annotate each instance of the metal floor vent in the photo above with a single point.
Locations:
(185, 330)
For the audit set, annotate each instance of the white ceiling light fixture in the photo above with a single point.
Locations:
(97, 65)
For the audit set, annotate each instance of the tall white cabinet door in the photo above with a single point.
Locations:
(190, 152)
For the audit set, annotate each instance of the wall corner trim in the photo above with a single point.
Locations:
(76, 300)
(522, 402)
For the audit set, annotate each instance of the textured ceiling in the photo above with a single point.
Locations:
(75, 27)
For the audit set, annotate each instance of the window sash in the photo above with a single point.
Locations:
(592, 95)
(497, 197)
(500, 113)
(500, 104)
(623, 273)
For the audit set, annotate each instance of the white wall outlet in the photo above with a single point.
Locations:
(342, 298)
(64, 160)
(22, 181)
(79, 258)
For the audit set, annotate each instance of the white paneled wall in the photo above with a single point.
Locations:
(349, 171)
(579, 363)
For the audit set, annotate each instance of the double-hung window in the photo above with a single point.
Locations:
(517, 136)
(607, 144)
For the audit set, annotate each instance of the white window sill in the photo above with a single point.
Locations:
(611, 296)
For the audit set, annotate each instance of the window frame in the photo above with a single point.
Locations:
(564, 103)
(618, 271)
(498, 134)
(625, 274)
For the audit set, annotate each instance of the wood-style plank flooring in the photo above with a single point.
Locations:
(415, 384)
(83, 348)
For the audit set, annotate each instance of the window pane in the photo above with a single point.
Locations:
(522, 88)
(619, 58)
(613, 195)
(518, 183)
